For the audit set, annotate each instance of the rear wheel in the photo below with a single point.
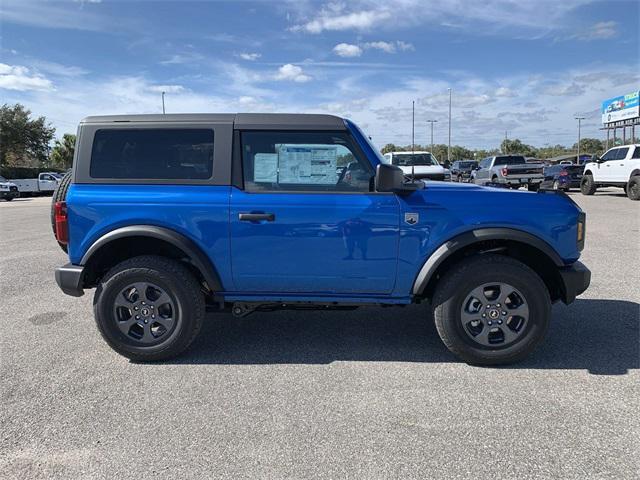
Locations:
(59, 195)
(491, 310)
(556, 185)
(149, 308)
(8, 199)
(633, 188)
(587, 185)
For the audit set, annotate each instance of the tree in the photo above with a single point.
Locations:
(516, 147)
(62, 153)
(590, 145)
(390, 147)
(23, 141)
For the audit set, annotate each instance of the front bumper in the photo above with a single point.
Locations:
(69, 279)
(575, 280)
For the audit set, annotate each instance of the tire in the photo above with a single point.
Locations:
(59, 195)
(587, 185)
(556, 185)
(9, 199)
(533, 187)
(180, 309)
(633, 188)
(459, 179)
(452, 295)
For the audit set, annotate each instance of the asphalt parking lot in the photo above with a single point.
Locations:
(365, 394)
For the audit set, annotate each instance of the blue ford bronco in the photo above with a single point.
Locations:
(171, 216)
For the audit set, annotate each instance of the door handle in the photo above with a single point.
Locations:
(256, 217)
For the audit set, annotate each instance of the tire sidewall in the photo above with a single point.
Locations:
(633, 182)
(526, 282)
(586, 185)
(104, 302)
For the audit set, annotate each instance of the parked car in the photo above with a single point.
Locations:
(45, 184)
(423, 165)
(168, 216)
(509, 170)
(8, 190)
(618, 167)
(562, 177)
(461, 170)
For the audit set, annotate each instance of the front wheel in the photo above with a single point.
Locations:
(633, 188)
(8, 199)
(533, 187)
(491, 310)
(149, 308)
(587, 185)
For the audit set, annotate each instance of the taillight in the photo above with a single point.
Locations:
(62, 226)
(504, 172)
(563, 173)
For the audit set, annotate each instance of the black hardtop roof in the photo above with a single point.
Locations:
(247, 121)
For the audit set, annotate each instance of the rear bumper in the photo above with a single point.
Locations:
(575, 280)
(69, 279)
(9, 194)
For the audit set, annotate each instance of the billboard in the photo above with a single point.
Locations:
(624, 107)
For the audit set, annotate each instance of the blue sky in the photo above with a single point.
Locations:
(522, 66)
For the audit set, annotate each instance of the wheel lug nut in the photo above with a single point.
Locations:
(143, 303)
(489, 322)
(499, 322)
(145, 321)
(135, 308)
(137, 317)
(504, 313)
(498, 305)
(153, 316)
(484, 315)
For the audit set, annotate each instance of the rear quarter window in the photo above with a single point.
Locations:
(167, 154)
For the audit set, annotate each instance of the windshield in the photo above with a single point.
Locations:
(2, 179)
(467, 164)
(404, 159)
(510, 160)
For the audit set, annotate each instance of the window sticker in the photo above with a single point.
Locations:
(307, 164)
(265, 167)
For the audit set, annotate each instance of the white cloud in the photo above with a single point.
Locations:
(351, 50)
(293, 73)
(329, 19)
(167, 88)
(505, 92)
(16, 77)
(564, 90)
(599, 31)
(250, 56)
(495, 16)
(347, 50)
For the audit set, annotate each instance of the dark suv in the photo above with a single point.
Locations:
(461, 170)
(170, 216)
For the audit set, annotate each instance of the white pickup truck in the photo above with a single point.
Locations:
(45, 184)
(618, 167)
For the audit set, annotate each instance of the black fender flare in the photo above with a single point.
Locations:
(198, 258)
(474, 236)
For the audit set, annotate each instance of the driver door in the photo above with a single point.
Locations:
(300, 224)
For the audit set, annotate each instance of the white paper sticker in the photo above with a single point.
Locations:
(307, 164)
(265, 167)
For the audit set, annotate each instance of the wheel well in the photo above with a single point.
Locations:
(531, 256)
(118, 250)
(588, 172)
(634, 173)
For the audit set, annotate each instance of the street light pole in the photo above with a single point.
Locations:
(579, 125)
(163, 103)
(449, 147)
(432, 122)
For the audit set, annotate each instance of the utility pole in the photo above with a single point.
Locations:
(505, 142)
(413, 138)
(579, 125)
(449, 147)
(432, 122)
(163, 103)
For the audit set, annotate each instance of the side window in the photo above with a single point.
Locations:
(610, 155)
(622, 153)
(176, 154)
(303, 161)
(636, 153)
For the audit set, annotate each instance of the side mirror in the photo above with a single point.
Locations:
(595, 158)
(390, 178)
